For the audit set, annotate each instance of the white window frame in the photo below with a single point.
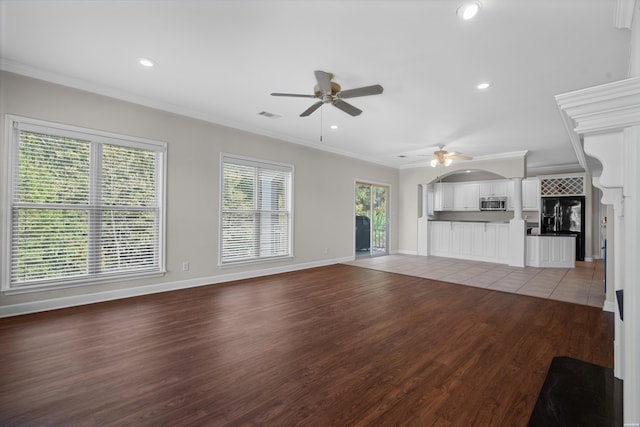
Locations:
(265, 164)
(13, 125)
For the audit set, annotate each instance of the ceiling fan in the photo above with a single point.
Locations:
(331, 93)
(444, 157)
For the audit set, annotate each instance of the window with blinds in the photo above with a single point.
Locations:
(256, 216)
(84, 206)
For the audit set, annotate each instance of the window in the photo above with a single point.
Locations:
(256, 214)
(84, 206)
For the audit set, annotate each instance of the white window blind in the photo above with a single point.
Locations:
(83, 207)
(256, 215)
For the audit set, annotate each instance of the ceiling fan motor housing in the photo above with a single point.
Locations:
(327, 97)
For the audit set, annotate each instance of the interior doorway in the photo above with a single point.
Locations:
(372, 219)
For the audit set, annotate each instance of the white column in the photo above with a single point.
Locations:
(517, 229)
(618, 273)
(609, 149)
(517, 198)
(423, 222)
(610, 297)
(631, 328)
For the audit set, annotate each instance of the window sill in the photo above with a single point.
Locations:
(255, 261)
(25, 289)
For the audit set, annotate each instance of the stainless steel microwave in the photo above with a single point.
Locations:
(493, 203)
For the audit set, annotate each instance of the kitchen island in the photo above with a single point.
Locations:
(473, 240)
(489, 241)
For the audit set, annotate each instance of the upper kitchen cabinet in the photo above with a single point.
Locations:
(442, 196)
(456, 196)
(530, 195)
(466, 197)
(496, 188)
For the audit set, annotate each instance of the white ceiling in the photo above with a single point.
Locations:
(220, 60)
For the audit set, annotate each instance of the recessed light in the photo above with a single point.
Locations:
(468, 171)
(334, 127)
(483, 85)
(146, 62)
(468, 10)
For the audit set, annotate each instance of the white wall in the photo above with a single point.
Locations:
(323, 183)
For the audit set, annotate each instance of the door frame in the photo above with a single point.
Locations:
(370, 183)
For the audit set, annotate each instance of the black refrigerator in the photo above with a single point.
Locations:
(564, 215)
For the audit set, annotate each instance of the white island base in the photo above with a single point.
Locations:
(551, 251)
(478, 241)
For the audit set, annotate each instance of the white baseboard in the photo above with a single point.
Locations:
(588, 259)
(71, 301)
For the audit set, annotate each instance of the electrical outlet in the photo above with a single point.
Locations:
(326, 250)
(185, 266)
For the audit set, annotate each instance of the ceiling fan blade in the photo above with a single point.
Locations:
(459, 157)
(346, 107)
(361, 91)
(295, 95)
(311, 109)
(324, 81)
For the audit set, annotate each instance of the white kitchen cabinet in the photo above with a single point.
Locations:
(496, 242)
(466, 197)
(530, 195)
(478, 237)
(477, 241)
(440, 238)
(497, 188)
(442, 196)
(463, 235)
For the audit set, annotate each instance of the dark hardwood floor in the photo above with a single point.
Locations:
(336, 345)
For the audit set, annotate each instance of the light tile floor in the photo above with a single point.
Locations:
(581, 285)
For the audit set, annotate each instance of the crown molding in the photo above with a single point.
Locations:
(601, 108)
(519, 154)
(566, 168)
(605, 108)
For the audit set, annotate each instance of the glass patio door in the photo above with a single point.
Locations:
(371, 222)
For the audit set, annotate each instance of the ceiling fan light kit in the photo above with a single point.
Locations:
(329, 92)
(444, 157)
